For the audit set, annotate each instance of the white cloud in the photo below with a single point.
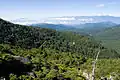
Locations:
(86, 20)
(103, 14)
(100, 5)
(64, 18)
(49, 22)
(103, 5)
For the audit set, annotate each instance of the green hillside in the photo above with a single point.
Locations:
(24, 36)
(110, 38)
(33, 37)
(33, 53)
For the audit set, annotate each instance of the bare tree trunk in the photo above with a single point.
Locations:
(94, 66)
(43, 44)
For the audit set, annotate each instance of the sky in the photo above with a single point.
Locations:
(14, 9)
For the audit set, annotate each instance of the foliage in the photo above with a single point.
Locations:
(32, 53)
(104, 68)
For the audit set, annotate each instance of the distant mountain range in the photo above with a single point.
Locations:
(69, 20)
(87, 28)
(54, 26)
(81, 24)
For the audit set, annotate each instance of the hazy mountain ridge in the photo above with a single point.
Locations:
(87, 28)
(54, 26)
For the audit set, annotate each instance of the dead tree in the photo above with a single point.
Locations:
(94, 66)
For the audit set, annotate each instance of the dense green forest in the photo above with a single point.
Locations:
(34, 53)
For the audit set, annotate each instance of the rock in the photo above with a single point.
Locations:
(22, 59)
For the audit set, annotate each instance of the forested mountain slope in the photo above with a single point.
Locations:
(30, 37)
(37, 53)
(23, 36)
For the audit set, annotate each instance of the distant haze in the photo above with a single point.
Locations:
(69, 20)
